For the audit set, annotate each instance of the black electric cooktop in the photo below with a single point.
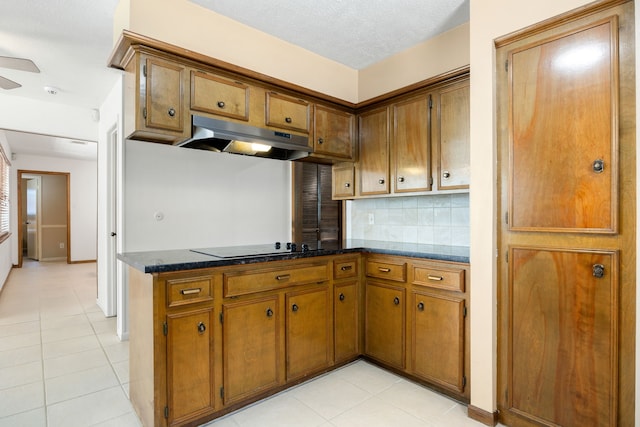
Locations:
(253, 250)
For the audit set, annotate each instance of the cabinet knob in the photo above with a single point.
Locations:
(396, 301)
(220, 104)
(201, 328)
(401, 179)
(171, 112)
(320, 140)
(446, 174)
(381, 181)
(294, 307)
(341, 297)
(598, 165)
(347, 184)
(269, 312)
(421, 306)
(288, 119)
(598, 271)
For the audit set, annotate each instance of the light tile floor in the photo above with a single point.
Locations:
(61, 364)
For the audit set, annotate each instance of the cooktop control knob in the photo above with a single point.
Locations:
(289, 245)
(294, 247)
(305, 247)
(277, 245)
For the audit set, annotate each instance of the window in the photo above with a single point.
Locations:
(4, 195)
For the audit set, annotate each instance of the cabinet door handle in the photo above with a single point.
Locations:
(269, 312)
(421, 306)
(401, 179)
(346, 267)
(294, 307)
(396, 301)
(220, 104)
(384, 269)
(171, 112)
(446, 174)
(437, 278)
(283, 277)
(320, 141)
(598, 271)
(288, 119)
(598, 165)
(347, 184)
(381, 181)
(190, 291)
(201, 328)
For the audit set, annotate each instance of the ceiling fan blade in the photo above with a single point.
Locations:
(21, 64)
(8, 84)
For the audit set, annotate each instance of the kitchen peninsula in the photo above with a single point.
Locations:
(210, 334)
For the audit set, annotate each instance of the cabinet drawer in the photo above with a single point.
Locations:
(439, 277)
(345, 268)
(387, 270)
(287, 113)
(248, 282)
(215, 95)
(189, 291)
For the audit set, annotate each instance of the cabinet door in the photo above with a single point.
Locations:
(385, 323)
(190, 379)
(411, 145)
(216, 95)
(438, 339)
(343, 181)
(308, 331)
(373, 163)
(451, 136)
(287, 113)
(250, 343)
(333, 133)
(345, 320)
(164, 95)
(563, 336)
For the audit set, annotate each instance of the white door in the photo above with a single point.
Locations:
(33, 218)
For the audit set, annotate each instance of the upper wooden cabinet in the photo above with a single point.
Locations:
(286, 112)
(343, 177)
(450, 136)
(373, 164)
(216, 95)
(155, 100)
(333, 133)
(410, 145)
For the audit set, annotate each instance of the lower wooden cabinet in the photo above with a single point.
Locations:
(346, 320)
(385, 323)
(250, 347)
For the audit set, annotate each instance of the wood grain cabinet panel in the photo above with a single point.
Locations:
(285, 112)
(333, 133)
(216, 95)
(165, 88)
(346, 320)
(411, 153)
(343, 177)
(251, 347)
(385, 323)
(373, 162)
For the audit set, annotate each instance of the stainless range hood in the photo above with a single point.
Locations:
(229, 137)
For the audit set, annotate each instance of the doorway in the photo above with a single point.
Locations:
(44, 215)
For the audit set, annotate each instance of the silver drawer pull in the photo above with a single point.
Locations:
(438, 278)
(283, 277)
(191, 291)
(346, 267)
(384, 270)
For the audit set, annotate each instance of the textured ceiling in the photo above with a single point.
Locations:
(356, 33)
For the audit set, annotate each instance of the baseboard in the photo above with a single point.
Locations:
(82, 261)
(480, 415)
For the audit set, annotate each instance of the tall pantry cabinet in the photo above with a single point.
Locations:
(566, 149)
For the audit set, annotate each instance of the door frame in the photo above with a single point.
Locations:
(20, 174)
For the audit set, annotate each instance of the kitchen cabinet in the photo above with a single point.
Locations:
(251, 340)
(219, 96)
(285, 112)
(410, 145)
(334, 133)
(373, 148)
(308, 331)
(343, 178)
(155, 100)
(450, 135)
(567, 180)
(346, 313)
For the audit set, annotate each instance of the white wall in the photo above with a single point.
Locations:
(5, 247)
(207, 199)
(83, 200)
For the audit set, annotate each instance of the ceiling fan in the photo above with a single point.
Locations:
(21, 64)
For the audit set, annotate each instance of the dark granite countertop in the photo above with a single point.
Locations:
(184, 259)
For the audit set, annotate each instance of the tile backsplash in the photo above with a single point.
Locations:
(441, 219)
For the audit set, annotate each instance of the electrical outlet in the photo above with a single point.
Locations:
(61, 245)
(371, 219)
